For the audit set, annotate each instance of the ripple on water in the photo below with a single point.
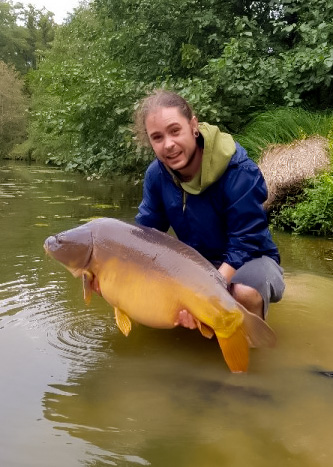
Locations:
(22, 295)
(112, 458)
(81, 337)
(79, 334)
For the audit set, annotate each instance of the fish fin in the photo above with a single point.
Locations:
(235, 350)
(123, 321)
(87, 280)
(205, 330)
(257, 330)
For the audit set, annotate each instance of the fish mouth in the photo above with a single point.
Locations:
(49, 244)
(74, 252)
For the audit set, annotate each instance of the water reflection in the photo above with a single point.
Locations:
(305, 253)
(166, 397)
(75, 391)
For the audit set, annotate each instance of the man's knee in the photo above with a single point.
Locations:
(248, 297)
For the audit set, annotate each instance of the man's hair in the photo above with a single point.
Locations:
(158, 98)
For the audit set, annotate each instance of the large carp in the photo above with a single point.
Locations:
(149, 276)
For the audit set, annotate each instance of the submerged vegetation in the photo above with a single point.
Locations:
(249, 67)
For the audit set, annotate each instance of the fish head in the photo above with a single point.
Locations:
(73, 248)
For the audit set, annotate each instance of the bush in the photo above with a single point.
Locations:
(310, 212)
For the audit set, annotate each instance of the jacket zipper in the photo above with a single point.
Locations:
(184, 200)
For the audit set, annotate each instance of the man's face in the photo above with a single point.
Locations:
(171, 136)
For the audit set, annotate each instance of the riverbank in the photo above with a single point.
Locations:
(293, 147)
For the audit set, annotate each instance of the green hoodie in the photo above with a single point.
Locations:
(218, 149)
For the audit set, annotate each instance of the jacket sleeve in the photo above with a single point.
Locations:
(246, 221)
(151, 210)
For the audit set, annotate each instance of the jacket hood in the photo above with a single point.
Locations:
(218, 149)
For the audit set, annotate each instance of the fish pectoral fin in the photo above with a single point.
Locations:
(123, 321)
(87, 280)
(235, 350)
(205, 330)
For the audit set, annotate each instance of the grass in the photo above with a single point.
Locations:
(282, 126)
(309, 209)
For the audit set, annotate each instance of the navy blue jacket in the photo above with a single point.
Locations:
(225, 223)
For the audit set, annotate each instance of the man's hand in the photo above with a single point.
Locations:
(186, 320)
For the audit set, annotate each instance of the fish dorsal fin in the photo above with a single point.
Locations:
(87, 280)
(123, 321)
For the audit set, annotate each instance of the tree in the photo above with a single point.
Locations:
(166, 37)
(82, 101)
(13, 109)
(12, 37)
(306, 29)
(40, 27)
(229, 58)
(287, 62)
(24, 34)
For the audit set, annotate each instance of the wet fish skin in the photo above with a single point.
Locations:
(149, 276)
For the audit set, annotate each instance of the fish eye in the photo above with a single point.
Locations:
(59, 238)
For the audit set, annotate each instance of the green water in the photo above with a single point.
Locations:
(74, 391)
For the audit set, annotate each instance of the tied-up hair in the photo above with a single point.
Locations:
(158, 98)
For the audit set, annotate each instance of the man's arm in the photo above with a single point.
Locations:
(227, 271)
(151, 209)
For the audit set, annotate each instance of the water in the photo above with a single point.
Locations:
(74, 391)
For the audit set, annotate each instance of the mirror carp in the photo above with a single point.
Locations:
(149, 276)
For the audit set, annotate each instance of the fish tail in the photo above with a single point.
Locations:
(258, 332)
(235, 350)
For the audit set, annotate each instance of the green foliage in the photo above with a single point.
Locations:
(262, 65)
(241, 78)
(229, 59)
(165, 37)
(13, 109)
(39, 28)
(13, 38)
(82, 103)
(312, 211)
(25, 32)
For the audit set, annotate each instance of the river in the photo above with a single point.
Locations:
(74, 391)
